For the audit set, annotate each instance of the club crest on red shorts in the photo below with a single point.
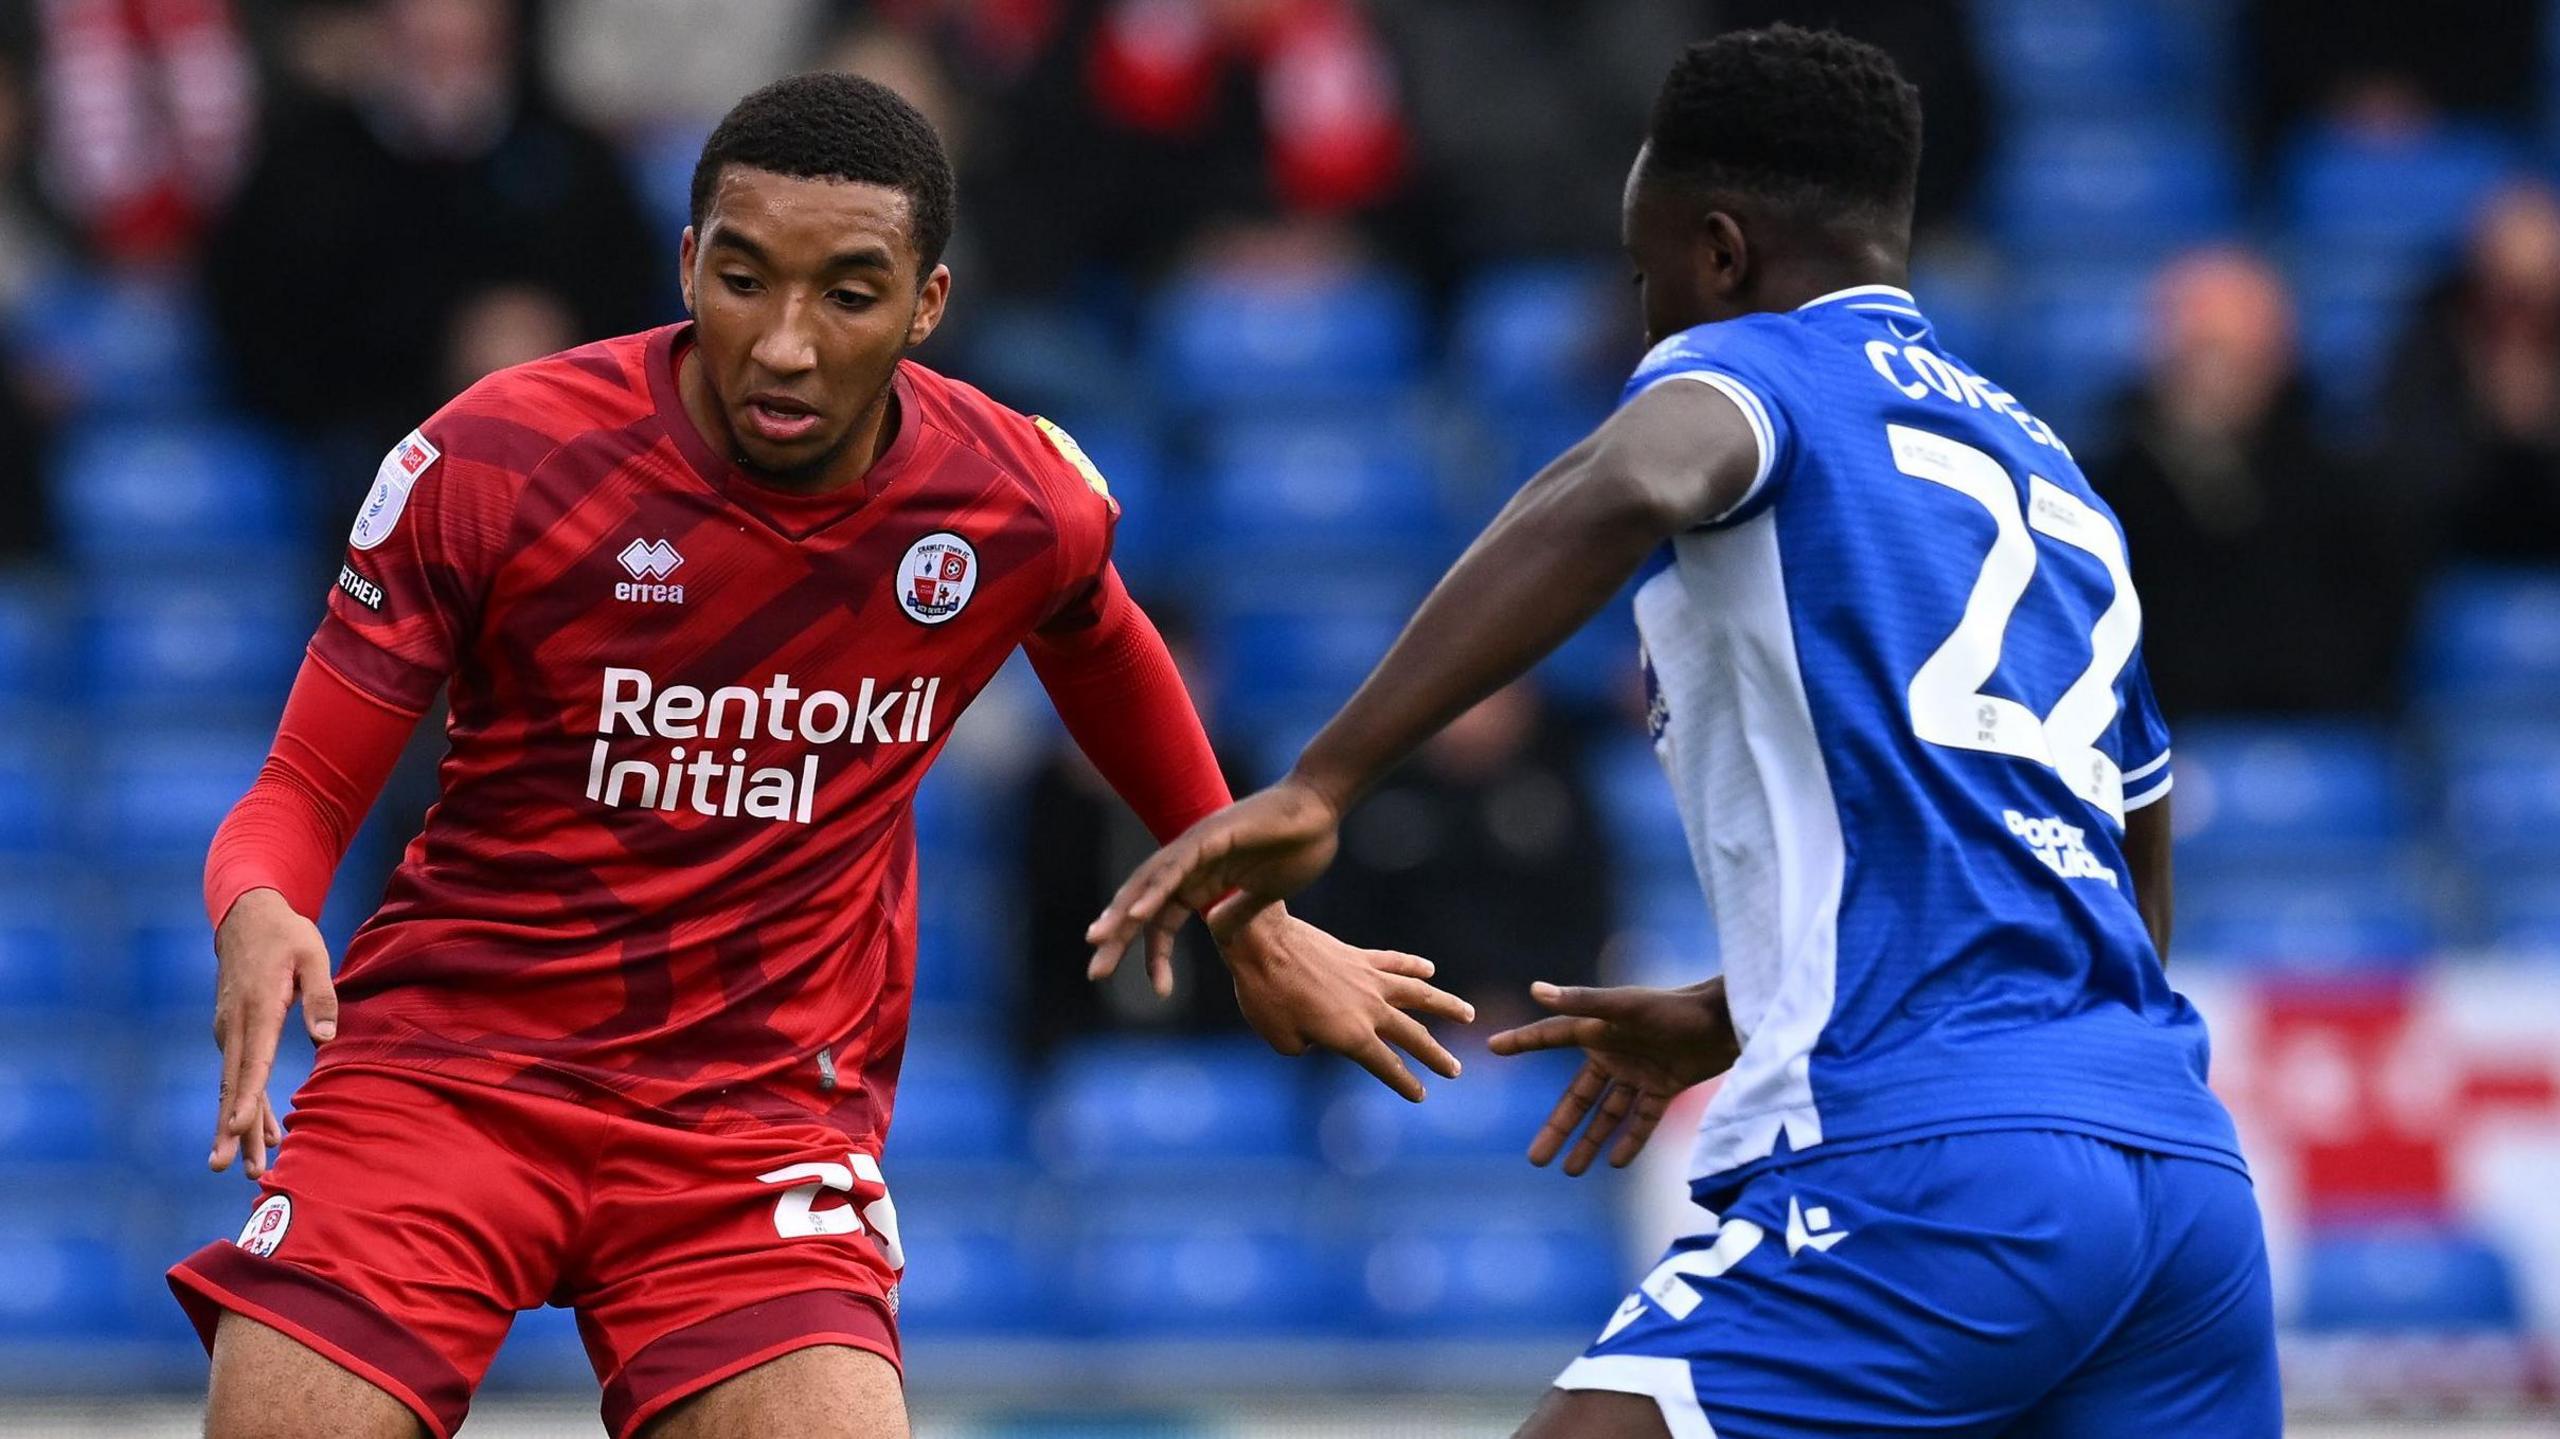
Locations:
(266, 1226)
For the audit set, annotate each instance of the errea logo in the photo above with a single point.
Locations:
(650, 560)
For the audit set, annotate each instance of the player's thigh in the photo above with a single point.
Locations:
(2197, 1353)
(827, 1392)
(1594, 1414)
(267, 1385)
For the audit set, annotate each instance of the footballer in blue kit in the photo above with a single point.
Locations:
(1964, 1172)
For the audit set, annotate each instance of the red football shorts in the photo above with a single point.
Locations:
(410, 1215)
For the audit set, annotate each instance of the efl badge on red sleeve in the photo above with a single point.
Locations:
(392, 482)
(937, 577)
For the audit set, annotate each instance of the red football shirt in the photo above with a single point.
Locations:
(674, 855)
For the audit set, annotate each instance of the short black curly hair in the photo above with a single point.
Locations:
(1805, 119)
(827, 126)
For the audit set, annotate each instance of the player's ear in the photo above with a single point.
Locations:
(929, 302)
(685, 251)
(1723, 256)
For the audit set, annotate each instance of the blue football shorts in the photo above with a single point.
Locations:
(2012, 1282)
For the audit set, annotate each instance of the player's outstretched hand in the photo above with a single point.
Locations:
(1301, 988)
(265, 955)
(1263, 848)
(1640, 1048)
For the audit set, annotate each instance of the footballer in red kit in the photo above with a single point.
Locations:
(625, 1032)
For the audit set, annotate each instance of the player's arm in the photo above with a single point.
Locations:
(1676, 456)
(417, 564)
(1115, 686)
(2146, 849)
(265, 878)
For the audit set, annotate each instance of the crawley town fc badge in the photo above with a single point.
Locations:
(266, 1226)
(937, 577)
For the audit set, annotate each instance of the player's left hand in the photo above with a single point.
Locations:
(1641, 1048)
(1301, 988)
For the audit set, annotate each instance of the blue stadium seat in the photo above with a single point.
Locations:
(2074, 334)
(2407, 1277)
(2109, 187)
(1049, 359)
(960, 956)
(2489, 640)
(1117, 1103)
(1246, 340)
(2334, 921)
(2352, 303)
(1967, 297)
(33, 628)
(171, 1123)
(158, 794)
(1527, 1253)
(2412, 193)
(2502, 792)
(543, 1354)
(1198, 1255)
(660, 161)
(2253, 792)
(2520, 913)
(119, 344)
(58, 1283)
(1309, 649)
(1489, 1114)
(959, 1102)
(201, 641)
(972, 1265)
(60, 1099)
(173, 490)
(48, 960)
(1159, 520)
(1665, 934)
(1536, 332)
(1596, 668)
(1332, 482)
(954, 816)
(1637, 804)
(160, 936)
(2083, 57)
(36, 789)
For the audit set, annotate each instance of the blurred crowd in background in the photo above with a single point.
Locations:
(1318, 283)
(2287, 274)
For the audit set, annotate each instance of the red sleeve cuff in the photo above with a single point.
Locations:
(334, 748)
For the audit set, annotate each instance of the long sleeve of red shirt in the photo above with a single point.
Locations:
(1115, 686)
(334, 748)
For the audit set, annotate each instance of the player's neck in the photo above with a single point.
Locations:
(1786, 284)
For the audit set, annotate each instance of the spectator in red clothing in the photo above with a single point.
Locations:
(150, 107)
(1144, 121)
